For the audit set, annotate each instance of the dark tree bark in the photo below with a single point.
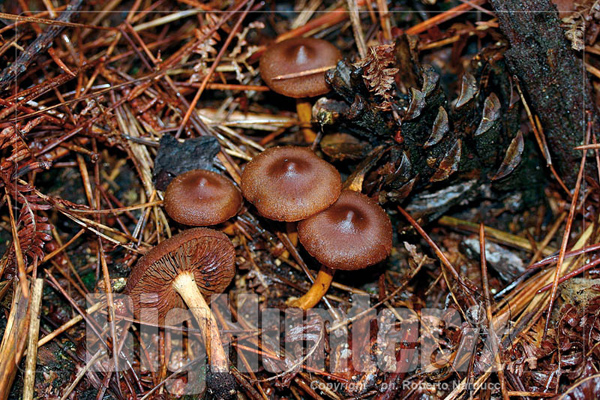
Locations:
(553, 78)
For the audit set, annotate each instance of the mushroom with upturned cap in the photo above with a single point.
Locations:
(352, 234)
(202, 198)
(295, 56)
(182, 270)
(290, 183)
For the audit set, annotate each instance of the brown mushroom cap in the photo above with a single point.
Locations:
(208, 254)
(298, 55)
(352, 234)
(202, 198)
(290, 183)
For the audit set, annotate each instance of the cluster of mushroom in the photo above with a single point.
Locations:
(343, 230)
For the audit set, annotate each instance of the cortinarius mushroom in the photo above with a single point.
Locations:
(295, 56)
(182, 270)
(290, 183)
(202, 198)
(352, 234)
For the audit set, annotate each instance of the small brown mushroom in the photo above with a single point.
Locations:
(295, 56)
(290, 183)
(352, 234)
(202, 198)
(181, 271)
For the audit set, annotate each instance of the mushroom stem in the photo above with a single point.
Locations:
(185, 285)
(292, 232)
(316, 291)
(304, 109)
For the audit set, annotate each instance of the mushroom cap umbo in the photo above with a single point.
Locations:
(290, 183)
(202, 198)
(298, 55)
(207, 254)
(353, 233)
